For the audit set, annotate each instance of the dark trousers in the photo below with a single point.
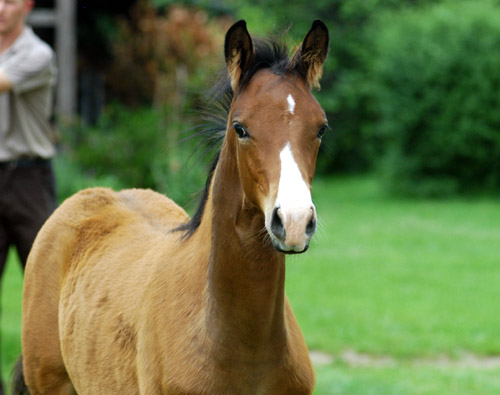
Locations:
(27, 198)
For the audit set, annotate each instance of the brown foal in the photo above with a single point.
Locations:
(124, 294)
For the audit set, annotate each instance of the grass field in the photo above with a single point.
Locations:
(403, 296)
(10, 315)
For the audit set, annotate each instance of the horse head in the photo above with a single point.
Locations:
(275, 126)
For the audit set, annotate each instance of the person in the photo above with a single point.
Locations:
(27, 185)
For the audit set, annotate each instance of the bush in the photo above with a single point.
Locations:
(347, 84)
(138, 148)
(70, 178)
(159, 55)
(438, 98)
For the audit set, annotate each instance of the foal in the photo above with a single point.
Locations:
(124, 294)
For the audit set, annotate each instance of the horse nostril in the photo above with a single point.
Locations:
(311, 227)
(311, 224)
(277, 226)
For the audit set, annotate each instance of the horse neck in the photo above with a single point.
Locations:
(246, 276)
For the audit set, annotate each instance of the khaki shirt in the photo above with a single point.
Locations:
(25, 130)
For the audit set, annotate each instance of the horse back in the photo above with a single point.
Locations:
(90, 218)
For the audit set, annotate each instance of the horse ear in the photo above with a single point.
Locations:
(309, 58)
(238, 49)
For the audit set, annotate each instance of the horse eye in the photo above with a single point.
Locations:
(240, 131)
(322, 131)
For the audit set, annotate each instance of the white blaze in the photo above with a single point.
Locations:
(291, 104)
(293, 192)
(293, 206)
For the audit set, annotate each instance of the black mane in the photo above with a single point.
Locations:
(268, 54)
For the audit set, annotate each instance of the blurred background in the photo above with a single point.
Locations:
(400, 292)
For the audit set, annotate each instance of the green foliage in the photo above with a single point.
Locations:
(438, 98)
(71, 178)
(347, 83)
(427, 68)
(124, 143)
(159, 54)
(137, 148)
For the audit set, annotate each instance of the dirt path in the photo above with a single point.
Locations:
(356, 359)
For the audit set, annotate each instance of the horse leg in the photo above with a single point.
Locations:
(44, 368)
(43, 365)
(19, 385)
(47, 377)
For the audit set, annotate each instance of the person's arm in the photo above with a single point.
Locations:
(5, 83)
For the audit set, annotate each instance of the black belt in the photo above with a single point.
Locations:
(24, 163)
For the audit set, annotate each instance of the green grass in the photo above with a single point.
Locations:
(406, 279)
(406, 380)
(414, 283)
(10, 315)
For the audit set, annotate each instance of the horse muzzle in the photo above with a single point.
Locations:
(291, 229)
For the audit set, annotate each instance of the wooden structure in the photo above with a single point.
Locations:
(62, 19)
